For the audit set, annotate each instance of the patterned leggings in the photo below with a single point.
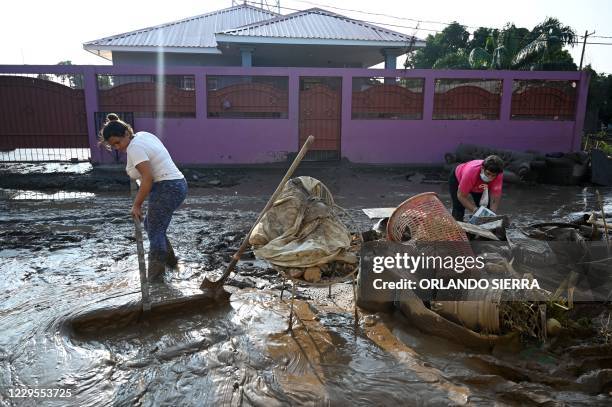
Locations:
(165, 197)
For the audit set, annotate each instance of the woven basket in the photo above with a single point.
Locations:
(427, 219)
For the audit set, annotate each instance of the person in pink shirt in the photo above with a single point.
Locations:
(469, 181)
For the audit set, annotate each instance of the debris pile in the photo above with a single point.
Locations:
(553, 168)
(552, 252)
(303, 236)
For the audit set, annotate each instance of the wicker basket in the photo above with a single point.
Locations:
(427, 219)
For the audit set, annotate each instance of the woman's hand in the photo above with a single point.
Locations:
(136, 211)
(146, 183)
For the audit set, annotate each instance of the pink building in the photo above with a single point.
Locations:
(245, 85)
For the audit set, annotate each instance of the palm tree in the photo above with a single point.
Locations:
(519, 48)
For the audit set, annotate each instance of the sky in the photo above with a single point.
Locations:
(46, 32)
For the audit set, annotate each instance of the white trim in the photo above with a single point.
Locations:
(182, 50)
(312, 41)
(106, 55)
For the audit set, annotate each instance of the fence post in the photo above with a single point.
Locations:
(294, 106)
(429, 88)
(506, 99)
(346, 113)
(91, 107)
(581, 105)
(201, 90)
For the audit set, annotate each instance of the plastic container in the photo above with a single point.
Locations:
(478, 312)
(427, 220)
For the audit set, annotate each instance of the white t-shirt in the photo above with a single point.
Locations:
(146, 147)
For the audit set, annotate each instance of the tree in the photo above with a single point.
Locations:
(538, 49)
(105, 81)
(453, 38)
(599, 102)
(456, 60)
(509, 48)
(75, 81)
(480, 37)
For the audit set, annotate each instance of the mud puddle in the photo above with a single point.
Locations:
(24, 195)
(60, 259)
(240, 353)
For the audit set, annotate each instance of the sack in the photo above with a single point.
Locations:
(301, 228)
(484, 199)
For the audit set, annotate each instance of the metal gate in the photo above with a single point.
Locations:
(99, 120)
(42, 120)
(320, 116)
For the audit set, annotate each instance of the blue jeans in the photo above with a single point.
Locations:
(165, 197)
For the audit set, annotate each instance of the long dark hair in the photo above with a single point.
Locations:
(114, 127)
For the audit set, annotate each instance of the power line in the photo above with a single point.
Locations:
(364, 21)
(375, 14)
(411, 19)
(405, 26)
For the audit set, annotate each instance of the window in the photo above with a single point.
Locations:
(467, 99)
(148, 95)
(260, 97)
(543, 100)
(387, 98)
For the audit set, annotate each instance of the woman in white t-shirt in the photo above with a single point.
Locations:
(160, 181)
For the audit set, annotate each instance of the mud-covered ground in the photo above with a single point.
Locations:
(64, 255)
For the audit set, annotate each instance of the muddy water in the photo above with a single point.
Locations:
(63, 259)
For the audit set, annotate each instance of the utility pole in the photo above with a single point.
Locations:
(586, 35)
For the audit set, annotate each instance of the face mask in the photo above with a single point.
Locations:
(484, 178)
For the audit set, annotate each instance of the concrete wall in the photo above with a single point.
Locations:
(174, 59)
(203, 140)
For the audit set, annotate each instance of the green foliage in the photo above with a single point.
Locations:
(531, 53)
(557, 33)
(105, 81)
(457, 60)
(72, 80)
(452, 39)
(605, 147)
(599, 102)
(455, 36)
(509, 48)
(479, 59)
(480, 38)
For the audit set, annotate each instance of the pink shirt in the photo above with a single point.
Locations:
(468, 175)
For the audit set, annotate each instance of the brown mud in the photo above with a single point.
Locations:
(63, 261)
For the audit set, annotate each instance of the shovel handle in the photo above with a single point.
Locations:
(144, 286)
(296, 161)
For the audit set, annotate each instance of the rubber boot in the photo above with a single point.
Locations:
(171, 259)
(157, 266)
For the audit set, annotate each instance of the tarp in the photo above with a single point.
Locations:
(301, 229)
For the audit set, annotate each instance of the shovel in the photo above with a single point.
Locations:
(209, 284)
(144, 286)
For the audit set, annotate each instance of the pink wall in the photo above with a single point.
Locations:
(201, 140)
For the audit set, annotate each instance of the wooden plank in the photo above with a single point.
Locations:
(378, 213)
(496, 224)
(477, 230)
(600, 223)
